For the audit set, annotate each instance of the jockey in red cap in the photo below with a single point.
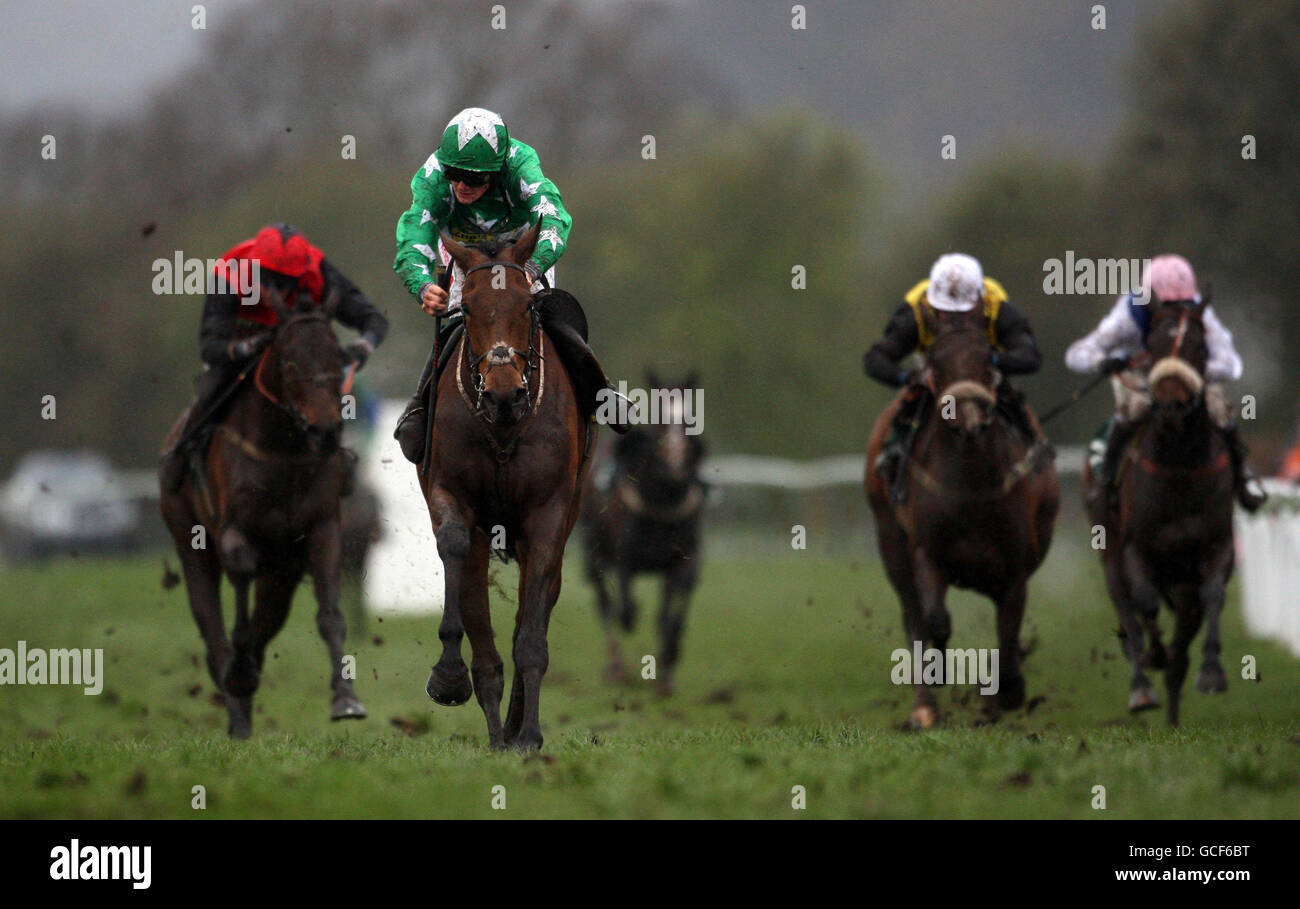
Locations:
(232, 331)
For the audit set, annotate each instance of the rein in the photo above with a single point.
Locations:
(1150, 467)
(1027, 464)
(316, 378)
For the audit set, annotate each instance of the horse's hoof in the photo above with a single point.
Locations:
(1211, 680)
(1142, 699)
(241, 678)
(1011, 693)
(527, 741)
(450, 689)
(347, 707)
(922, 717)
(241, 728)
(666, 688)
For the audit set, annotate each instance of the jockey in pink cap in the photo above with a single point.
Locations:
(1122, 333)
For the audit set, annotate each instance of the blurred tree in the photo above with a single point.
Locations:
(687, 261)
(1208, 75)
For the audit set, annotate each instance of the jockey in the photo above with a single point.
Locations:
(1122, 333)
(479, 185)
(232, 333)
(956, 284)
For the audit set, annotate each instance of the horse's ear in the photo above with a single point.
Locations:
(692, 379)
(332, 301)
(273, 298)
(651, 377)
(459, 254)
(522, 249)
(1206, 297)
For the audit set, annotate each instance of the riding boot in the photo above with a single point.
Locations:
(1250, 493)
(175, 458)
(1103, 490)
(1011, 402)
(413, 426)
(894, 452)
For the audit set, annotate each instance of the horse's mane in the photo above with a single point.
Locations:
(491, 248)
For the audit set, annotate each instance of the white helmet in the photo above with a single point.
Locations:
(956, 283)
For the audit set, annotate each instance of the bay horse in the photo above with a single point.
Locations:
(265, 507)
(1170, 534)
(980, 508)
(505, 455)
(648, 521)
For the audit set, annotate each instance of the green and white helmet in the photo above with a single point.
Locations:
(475, 139)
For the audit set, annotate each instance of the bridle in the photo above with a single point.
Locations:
(1185, 312)
(501, 354)
(333, 378)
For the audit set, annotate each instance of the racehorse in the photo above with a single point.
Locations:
(648, 520)
(1170, 535)
(506, 451)
(263, 507)
(980, 507)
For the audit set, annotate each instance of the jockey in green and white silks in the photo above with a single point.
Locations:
(479, 185)
(482, 185)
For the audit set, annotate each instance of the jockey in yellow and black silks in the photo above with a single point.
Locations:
(956, 284)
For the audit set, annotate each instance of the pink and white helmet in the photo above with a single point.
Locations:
(956, 283)
(1170, 277)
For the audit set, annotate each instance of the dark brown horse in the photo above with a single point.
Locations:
(647, 520)
(980, 506)
(507, 449)
(264, 509)
(1170, 537)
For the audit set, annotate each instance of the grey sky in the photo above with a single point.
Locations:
(94, 55)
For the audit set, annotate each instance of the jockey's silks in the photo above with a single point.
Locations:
(993, 297)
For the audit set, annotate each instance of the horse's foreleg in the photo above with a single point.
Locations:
(893, 544)
(1141, 603)
(325, 550)
(486, 668)
(679, 581)
(203, 587)
(240, 677)
(1212, 679)
(1010, 681)
(449, 682)
(540, 577)
(626, 604)
(596, 571)
(1188, 614)
(935, 626)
